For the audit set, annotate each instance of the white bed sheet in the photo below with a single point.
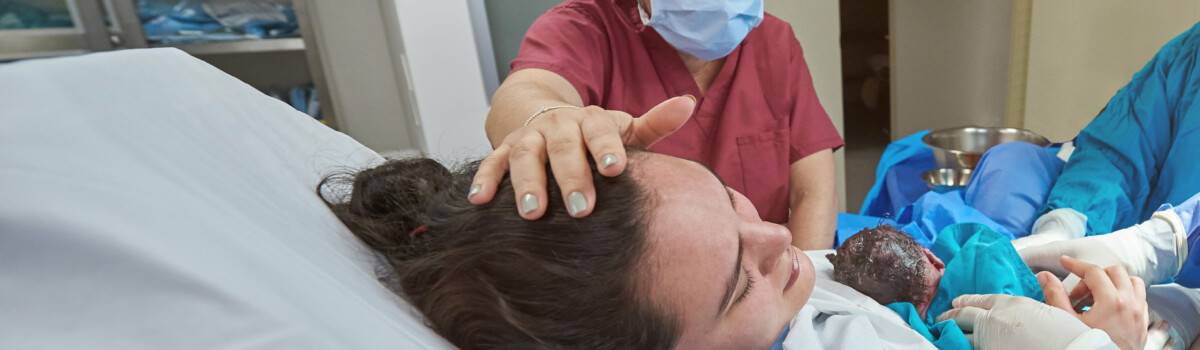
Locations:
(148, 200)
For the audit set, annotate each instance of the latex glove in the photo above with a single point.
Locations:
(1152, 250)
(1177, 306)
(1186, 212)
(998, 321)
(1058, 225)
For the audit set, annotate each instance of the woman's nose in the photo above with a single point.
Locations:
(769, 242)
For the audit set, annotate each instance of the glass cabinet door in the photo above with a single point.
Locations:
(39, 28)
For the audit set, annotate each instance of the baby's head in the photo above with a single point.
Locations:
(888, 266)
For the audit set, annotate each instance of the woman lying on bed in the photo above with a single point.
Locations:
(670, 258)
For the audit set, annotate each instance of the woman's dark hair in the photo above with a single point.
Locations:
(884, 264)
(486, 278)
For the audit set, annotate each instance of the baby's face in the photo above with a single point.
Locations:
(888, 266)
(934, 269)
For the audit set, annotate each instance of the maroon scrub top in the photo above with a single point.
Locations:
(759, 116)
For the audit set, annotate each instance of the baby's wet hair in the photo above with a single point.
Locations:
(884, 264)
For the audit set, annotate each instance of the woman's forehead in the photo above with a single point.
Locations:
(692, 233)
(659, 171)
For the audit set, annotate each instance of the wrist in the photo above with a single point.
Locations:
(544, 110)
(1069, 222)
(1150, 250)
(1092, 339)
(1177, 234)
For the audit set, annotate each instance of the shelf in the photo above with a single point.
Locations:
(5, 57)
(241, 46)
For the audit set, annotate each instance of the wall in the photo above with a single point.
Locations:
(356, 57)
(816, 25)
(499, 29)
(508, 25)
(446, 80)
(1082, 52)
(949, 63)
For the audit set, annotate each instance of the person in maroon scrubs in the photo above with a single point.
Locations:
(717, 81)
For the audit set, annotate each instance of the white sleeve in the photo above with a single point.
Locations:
(1093, 339)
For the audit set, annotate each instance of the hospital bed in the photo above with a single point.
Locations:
(148, 200)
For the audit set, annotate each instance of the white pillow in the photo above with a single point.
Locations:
(148, 200)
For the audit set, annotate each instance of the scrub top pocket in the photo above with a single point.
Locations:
(764, 160)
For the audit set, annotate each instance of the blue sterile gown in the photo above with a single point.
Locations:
(1010, 184)
(897, 178)
(1142, 150)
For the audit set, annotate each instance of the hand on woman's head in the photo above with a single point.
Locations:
(565, 138)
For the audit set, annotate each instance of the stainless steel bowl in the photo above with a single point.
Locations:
(963, 146)
(946, 179)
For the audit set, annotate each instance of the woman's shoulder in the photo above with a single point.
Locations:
(595, 11)
(776, 29)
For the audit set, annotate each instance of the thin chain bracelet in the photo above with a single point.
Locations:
(544, 109)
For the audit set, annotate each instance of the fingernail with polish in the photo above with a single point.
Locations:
(529, 203)
(474, 190)
(608, 160)
(576, 203)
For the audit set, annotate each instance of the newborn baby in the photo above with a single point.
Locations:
(888, 266)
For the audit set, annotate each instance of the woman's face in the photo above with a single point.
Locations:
(733, 280)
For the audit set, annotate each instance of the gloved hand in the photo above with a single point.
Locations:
(1117, 316)
(998, 321)
(1058, 225)
(1118, 301)
(1153, 250)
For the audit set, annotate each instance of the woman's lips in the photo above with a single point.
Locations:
(795, 269)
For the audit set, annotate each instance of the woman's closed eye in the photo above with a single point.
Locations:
(749, 286)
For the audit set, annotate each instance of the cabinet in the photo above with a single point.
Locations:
(49, 28)
(41, 28)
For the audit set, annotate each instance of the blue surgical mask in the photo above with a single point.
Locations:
(707, 29)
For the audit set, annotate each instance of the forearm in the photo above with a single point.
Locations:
(813, 199)
(813, 221)
(522, 94)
